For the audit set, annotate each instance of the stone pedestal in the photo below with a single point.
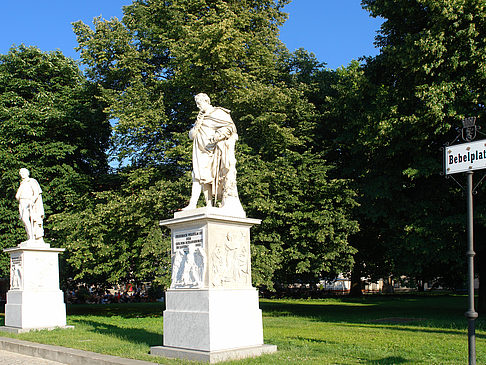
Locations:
(34, 300)
(212, 311)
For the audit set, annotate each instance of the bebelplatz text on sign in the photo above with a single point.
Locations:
(465, 157)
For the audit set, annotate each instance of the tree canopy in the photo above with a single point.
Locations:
(150, 65)
(52, 124)
(390, 117)
(342, 166)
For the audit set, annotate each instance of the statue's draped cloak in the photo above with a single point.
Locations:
(28, 189)
(31, 207)
(212, 160)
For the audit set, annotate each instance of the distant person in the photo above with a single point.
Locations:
(31, 208)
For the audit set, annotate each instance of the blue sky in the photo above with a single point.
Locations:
(336, 31)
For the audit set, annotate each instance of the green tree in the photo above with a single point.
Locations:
(402, 218)
(305, 218)
(52, 124)
(433, 53)
(388, 119)
(152, 63)
(116, 237)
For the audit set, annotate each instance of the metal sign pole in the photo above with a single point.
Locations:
(471, 314)
(468, 157)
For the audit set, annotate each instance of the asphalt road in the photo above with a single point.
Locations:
(12, 358)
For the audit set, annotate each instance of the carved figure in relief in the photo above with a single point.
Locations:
(213, 157)
(230, 261)
(218, 265)
(177, 268)
(231, 247)
(190, 273)
(189, 267)
(31, 208)
(16, 276)
(243, 266)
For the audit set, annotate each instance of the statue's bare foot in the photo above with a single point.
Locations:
(189, 207)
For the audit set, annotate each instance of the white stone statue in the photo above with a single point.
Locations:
(213, 158)
(31, 208)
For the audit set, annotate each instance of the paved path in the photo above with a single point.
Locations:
(12, 358)
(19, 352)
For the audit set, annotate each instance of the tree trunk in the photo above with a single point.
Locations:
(356, 283)
(388, 286)
(420, 285)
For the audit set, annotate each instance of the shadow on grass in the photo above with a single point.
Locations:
(368, 309)
(432, 314)
(125, 310)
(314, 340)
(419, 329)
(133, 335)
(417, 314)
(389, 360)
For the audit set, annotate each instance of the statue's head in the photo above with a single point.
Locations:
(202, 101)
(202, 97)
(24, 173)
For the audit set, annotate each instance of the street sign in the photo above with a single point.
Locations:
(465, 157)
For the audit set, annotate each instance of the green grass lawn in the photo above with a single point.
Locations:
(370, 330)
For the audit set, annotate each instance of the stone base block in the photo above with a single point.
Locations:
(35, 309)
(212, 319)
(212, 357)
(25, 330)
